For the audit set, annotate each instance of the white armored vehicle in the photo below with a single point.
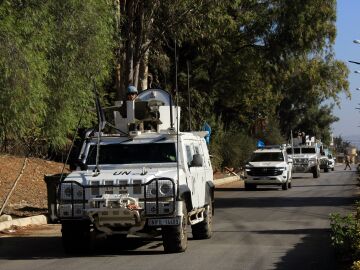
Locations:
(306, 159)
(148, 180)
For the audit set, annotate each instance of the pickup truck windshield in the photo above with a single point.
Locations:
(296, 151)
(132, 153)
(308, 150)
(271, 156)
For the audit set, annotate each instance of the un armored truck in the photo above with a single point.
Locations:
(306, 159)
(148, 180)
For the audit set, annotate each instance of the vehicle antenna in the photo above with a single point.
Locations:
(177, 123)
(292, 143)
(101, 125)
(188, 86)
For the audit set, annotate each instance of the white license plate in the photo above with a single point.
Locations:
(164, 221)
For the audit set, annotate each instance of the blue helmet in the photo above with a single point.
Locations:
(131, 90)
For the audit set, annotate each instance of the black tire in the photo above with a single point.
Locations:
(249, 186)
(203, 229)
(332, 169)
(326, 170)
(289, 185)
(175, 237)
(76, 237)
(316, 172)
(284, 186)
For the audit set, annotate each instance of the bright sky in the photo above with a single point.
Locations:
(348, 29)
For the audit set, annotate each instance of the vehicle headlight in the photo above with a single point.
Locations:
(282, 169)
(161, 188)
(67, 192)
(71, 191)
(152, 191)
(312, 161)
(165, 189)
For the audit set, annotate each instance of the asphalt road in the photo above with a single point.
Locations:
(264, 229)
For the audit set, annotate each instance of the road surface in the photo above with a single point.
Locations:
(264, 229)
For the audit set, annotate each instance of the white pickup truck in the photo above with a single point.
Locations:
(269, 166)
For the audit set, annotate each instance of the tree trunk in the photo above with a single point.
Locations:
(129, 58)
(144, 71)
(118, 54)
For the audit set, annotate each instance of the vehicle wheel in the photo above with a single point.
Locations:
(203, 230)
(332, 169)
(326, 170)
(175, 237)
(284, 186)
(249, 186)
(289, 185)
(76, 237)
(316, 172)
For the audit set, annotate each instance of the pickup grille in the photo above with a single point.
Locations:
(301, 161)
(323, 161)
(265, 171)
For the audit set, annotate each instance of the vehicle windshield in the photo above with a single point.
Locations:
(132, 153)
(270, 156)
(310, 150)
(296, 150)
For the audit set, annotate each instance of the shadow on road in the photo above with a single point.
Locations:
(264, 202)
(34, 248)
(313, 252)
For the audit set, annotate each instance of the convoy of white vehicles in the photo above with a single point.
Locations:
(148, 180)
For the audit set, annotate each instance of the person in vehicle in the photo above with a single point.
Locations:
(131, 94)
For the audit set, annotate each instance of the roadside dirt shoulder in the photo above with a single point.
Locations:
(30, 196)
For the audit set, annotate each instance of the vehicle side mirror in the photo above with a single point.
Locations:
(81, 164)
(197, 161)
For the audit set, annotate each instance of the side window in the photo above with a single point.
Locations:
(197, 151)
(188, 154)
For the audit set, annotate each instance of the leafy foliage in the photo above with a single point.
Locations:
(51, 55)
(345, 235)
(257, 69)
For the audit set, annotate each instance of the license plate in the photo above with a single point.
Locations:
(164, 221)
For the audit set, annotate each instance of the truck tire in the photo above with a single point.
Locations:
(203, 229)
(175, 237)
(285, 186)
(76, 238)
(326, 169)
(289, 185)
(316, 172)
(249, 186)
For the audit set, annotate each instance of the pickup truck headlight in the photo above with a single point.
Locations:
(282, 169)
(312, 161)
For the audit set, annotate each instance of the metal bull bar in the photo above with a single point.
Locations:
(156, 198)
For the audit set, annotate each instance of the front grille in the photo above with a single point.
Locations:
(323, 161)
(73, 197)
(265, 171)
(301, 161)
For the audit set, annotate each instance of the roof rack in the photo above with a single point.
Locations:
(277, 146)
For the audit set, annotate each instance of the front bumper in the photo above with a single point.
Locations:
(111, 206)
(266, 175)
